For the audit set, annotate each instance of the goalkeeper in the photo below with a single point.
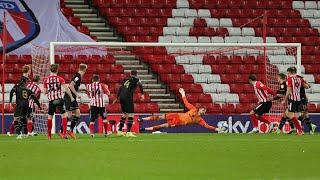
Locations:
(193, 116)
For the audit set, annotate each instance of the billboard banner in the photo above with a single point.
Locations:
(236, 124)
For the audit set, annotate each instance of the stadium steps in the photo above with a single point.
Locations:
(158, 92)
(89, 17)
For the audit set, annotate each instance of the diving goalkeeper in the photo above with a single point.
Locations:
(193, 116)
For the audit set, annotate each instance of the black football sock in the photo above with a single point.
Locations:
(307, 121)
(282, 122)
(130, 123)
(74, 121)
(122, 121)
(291, 125)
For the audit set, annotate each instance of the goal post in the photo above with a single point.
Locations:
(276, 57)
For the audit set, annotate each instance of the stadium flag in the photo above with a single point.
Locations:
(38, 22)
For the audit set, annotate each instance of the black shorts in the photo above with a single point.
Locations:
(30, 113)
(262, 108)
(21, 111)
(70, 106)
(294, 106)
(97, 111)
(127, 106)
(57, 104)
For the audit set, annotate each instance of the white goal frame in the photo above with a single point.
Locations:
(136, 44)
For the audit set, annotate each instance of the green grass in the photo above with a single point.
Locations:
(162, 156)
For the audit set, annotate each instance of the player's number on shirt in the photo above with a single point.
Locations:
(24, 94)
(54, 87)
(126, 84)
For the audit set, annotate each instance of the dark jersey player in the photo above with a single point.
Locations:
(304, 116)
(23, 95)
(26, 70)
(282, 79)
(125, 95)
(72, 106)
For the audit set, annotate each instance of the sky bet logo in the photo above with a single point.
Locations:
(236, 126)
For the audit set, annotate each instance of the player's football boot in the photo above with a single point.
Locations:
(292, 131)
(92, 135)
(271, 127)
(140, 120)
(130, 134)
(300, 133)
(313, 128)
(9, 134)
(254, 130)
(72, 134)
(62, 136)
(20, 136)
(120, 133)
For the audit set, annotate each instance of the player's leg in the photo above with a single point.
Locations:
(18, 127)
(291, 113)
(59, 105)
(51, 111)
(93, 117)
(254, 120)
(11, 128)
(74, 118)
(103, 114)
(156, 128)
(124, 107)
(152, 118)
(29, 121)
(129, 125)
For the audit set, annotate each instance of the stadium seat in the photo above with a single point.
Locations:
(228, 108)
(75, 21)
(113, 108)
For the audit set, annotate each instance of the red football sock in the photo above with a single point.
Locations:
(64, 125)
(264, 120)
(11, 128)
(254, 121)
(105, 126)
(91, 127)
(297, 124)
(49, 125)
(29, 126)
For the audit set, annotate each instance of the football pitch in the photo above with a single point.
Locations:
(162, 156)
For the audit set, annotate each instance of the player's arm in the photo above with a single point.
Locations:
(265, 88)
(34, 97)
(72, 89)
(105, 89)
(67, 90)
(141, 90)
(13, 91)
(305, 84)
(45, 87)
(118, 94)
(185, 101)
(289, 91)
(203, 123)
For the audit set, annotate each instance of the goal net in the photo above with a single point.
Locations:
(221, 69)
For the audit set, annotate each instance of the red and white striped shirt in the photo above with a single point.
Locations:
(262, 91)
(295, 83)
(36, 90)
(96, 92)
(53, 84)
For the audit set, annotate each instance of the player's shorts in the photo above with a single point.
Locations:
(173, 119)
(30, 113)
(262, 108)
(70, 105)
(294, 106)
(21, 111)
(96, 111)
(57, 104)
(127, 105)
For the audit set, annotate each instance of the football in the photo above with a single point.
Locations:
(224, 127)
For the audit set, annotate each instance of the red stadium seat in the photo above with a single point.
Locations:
(165, 13)
(113, 108)
(312, 108)
(214, 109)
(153, 108)
(140, 108)
(243, 108)
(84, 30)
(67, 11)
(228, 108)
(152, 13)
(75, 21)
(199, 22)
(205, 98)
(156, 31)
(26, 59)
(12, 58)
(178, 69)
(82, 59)
(116, 68)
(196, 88)
(95, 59)
(84, 108)
(186, 78)
(192, 98)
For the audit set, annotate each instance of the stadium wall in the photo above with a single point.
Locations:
(236, 123)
